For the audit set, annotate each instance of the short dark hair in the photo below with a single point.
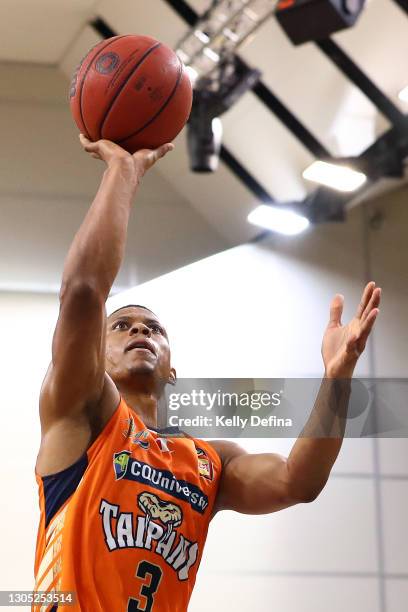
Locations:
(132, 306)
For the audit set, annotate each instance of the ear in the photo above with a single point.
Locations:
(172, 377)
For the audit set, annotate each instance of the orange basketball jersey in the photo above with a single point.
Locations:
(124, 527)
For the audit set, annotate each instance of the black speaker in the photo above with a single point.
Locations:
(307, 20)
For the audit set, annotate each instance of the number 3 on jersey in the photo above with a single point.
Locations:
(144, 570)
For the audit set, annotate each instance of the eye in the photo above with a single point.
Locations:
(156, 328)
(116, 325)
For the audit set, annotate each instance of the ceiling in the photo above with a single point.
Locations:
(334, 110)
(41, 31)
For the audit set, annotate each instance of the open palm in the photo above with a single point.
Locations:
(343, 344)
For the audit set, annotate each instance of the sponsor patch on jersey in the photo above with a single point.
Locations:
(205, 466)
(136, 437)
(128, 468)
(120, 462)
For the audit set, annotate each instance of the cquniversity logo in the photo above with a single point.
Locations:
(120, 463)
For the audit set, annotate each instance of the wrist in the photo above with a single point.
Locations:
(126, 169)
(340, 374)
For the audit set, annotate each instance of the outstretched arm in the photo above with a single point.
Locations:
(76, 376)
(265, 483)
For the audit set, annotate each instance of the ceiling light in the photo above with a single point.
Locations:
(403, 94)
(278, 220)
(193, 74)
(221, 31)
(334, 176)
(251, 14)
(202, 36)
(217, 128)
(211, 54)
(230, 34)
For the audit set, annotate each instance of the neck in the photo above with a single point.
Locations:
(144, 404)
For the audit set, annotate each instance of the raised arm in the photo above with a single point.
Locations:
(265, 483)
(76, 378)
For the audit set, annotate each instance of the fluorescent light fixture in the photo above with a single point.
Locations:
(230, 34)
(403, 94)
(192, 73)
(202, 36)
(278, 220)
(251, 14)
(334, 176)
(221, 30)
(217, 128)
(212, 55)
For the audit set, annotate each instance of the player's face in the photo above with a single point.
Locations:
(137, 343)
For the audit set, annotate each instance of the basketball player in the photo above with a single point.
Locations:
(125, 506)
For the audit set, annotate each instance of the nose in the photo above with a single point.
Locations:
(140, 328)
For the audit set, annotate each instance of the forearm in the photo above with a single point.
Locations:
(315, 451)
(97, 251)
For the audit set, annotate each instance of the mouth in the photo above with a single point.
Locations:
(141, 345)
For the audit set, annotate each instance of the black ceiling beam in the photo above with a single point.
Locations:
(361, 80)
(385, 157)
(231, 162)
(184, 10)
(403, 4)
(264, 94)
(247, 178)
(103, 28)
(297, 128)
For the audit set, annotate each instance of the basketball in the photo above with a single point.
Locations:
(132, 90)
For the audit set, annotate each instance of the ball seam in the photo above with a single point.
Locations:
(152, 119)
(119, 89)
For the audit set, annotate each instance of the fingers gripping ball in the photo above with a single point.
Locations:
(132, 90)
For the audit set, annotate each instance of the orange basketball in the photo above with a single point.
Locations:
(133, 90)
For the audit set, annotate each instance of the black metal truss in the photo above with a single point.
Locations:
(100, 26)
(292, 123)
(403, 4)
(227, 157)
(249, 181)
(350, 69)
(264, 94)
(184, 10)
(383, 158)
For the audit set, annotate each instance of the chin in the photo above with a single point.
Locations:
(142, 368)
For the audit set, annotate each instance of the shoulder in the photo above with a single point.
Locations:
(226, 450)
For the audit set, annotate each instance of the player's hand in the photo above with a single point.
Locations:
(343, 344)
(110, 153)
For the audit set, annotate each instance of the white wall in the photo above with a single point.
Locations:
(346, 551)
(26, 325)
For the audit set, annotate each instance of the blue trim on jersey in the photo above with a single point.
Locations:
(166, 430)
(60, 486)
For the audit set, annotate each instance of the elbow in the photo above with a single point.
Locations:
(313, 493)
(305, 496)
(310, 497)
